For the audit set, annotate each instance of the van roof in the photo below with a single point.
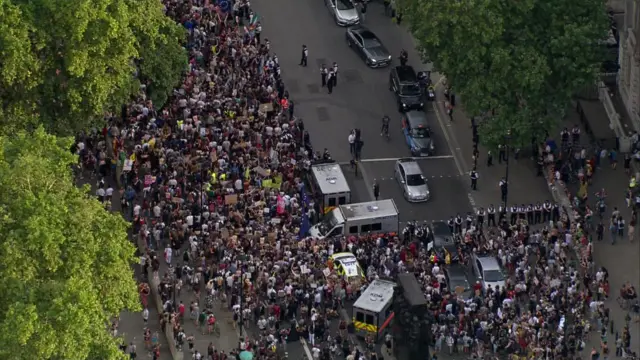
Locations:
(330, 178)
(367, 210)
(376, 296)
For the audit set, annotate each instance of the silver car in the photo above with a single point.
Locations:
(488, 272)
(413, 184)
(343, 12)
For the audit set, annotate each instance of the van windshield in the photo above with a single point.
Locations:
(329, 222)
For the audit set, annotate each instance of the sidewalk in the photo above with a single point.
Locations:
(621, 260)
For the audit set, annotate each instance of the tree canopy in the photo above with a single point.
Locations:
(517, 63)
(64, 63)
(66, 261)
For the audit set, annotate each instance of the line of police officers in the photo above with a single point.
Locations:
(534, 214)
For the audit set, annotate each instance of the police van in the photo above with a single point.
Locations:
(373, 311)
(329, 186)
(361, 218)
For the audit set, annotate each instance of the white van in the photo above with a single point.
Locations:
(329, 185)
(362, 218)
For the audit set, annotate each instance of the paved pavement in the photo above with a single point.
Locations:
(131, 326)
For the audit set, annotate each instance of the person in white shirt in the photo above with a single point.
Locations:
(100, 193)
(145, 315)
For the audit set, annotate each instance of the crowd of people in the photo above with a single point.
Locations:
(214, 186)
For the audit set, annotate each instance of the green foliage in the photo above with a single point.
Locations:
(66, 262)
(163, 61)
(517, 63)
(64, 63)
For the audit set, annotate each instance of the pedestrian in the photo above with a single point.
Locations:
(537, 218)
(323, 75)
(489, 158)
(330, 81)
(352, 142)
(376, 189)
(363, 11)
(305, 56)
(501, 154)
(503, 189)
(600, 231)
(474, 179)
(335, 74)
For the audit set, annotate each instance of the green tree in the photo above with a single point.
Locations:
(66, 261)
(163, 61)
(66, 62)
(515, 63)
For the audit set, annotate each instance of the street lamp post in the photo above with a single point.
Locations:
(506, 175)
(240, 317)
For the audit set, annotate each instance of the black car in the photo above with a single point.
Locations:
(441, 240)
(404, 83)
(368, 46)
(458, 280)
(417, 133)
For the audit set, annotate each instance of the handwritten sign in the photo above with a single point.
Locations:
(231, 199)
(128, 165)
(148, 180)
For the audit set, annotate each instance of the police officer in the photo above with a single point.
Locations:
(323, 75)
(376, 190)
(450, 224)
(480, 217)
(546, 211)
(537, 217)
(555, 213)
(502, 213)
(491, 215)
(474, 179)
(522, 212)
(514, 214)
(335, 74)
(305, 56)
(469, 221)
(503, 189)
(458, 224)
(530, 214)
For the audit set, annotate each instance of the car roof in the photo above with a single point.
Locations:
(410, 167)
(367, 34)
(488, 262)
(456, 270)
(406, 74)
(417, 118)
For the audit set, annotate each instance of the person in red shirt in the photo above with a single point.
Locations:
(181, 310)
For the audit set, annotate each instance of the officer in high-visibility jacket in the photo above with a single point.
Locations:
(214, 177)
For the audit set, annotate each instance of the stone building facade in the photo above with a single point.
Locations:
(629, 74)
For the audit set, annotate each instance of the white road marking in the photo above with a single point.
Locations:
(437, 157)
(306, 348)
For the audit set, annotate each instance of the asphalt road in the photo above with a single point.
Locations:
(360, 100)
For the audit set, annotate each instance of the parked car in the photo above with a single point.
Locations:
(488, 272)
(458, 280)
(403, 82)
(417, 133)
(409, 176)
(343, 11)
(441, 240)
(368, 46)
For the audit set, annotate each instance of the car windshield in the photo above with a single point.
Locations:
(410, 89)
(329, 222)
(344, 5)
(420, 132)
(370, 40)
(415, 180)
(493, 275)
(461, 282)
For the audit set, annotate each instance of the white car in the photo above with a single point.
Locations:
(343, 12)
